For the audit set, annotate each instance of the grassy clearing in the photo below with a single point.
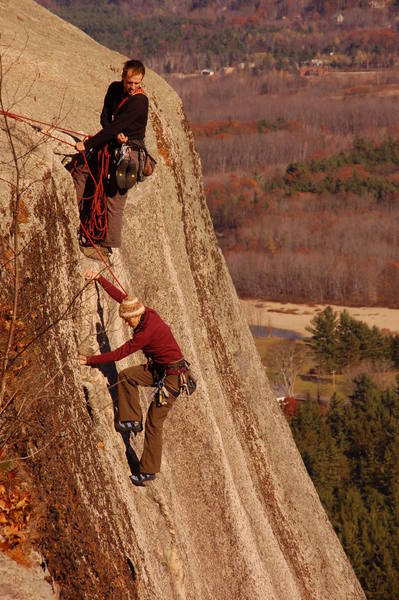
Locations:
(308, 382)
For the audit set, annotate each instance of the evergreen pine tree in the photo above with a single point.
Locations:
(352, 455)
(348, 343)
(323, 343)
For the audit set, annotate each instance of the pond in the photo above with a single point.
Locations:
(286, 334)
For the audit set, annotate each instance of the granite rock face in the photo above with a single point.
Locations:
(233, 513)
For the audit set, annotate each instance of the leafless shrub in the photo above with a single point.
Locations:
(287, 360)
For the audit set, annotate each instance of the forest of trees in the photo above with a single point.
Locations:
(348, 437)
(339, 341)
(324, 231)
(210, 33)
(301, 182)
(352, 456)
(350, 445)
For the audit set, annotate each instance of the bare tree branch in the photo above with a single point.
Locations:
(15, 230)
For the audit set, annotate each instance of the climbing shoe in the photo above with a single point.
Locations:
(105, 251)
(129, 426)
(93, 253)
(141, 478)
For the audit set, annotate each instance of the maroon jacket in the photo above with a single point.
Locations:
(154, 338)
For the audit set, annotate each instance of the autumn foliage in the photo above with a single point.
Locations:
(15, 512)
(15, 491)
(20, 363)
(324, 231)
(216, 33)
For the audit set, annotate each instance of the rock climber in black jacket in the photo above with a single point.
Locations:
(124, 119)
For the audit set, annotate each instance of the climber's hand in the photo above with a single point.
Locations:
(90, 275)
(121, 138)
(80, 147)
(83, 360)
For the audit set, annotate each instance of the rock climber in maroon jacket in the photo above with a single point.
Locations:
(165, 364)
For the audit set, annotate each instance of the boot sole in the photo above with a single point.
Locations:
(136, 483)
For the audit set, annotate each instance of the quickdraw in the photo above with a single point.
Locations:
(187, 382)
(160, 393)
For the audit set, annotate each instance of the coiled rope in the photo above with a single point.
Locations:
(97, 226)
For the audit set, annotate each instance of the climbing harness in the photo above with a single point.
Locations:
(187, 383)
(129, 172)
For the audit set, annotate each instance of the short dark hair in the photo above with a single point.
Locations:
(133, 65)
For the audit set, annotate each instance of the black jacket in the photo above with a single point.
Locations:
(131, 118)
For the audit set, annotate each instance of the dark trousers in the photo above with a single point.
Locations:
(130, 410)
(115, 205)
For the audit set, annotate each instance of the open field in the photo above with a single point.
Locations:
(313, 386)
(308, 383)
(296, 317)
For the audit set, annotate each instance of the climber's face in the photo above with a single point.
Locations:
(132, 321)
(131, 82)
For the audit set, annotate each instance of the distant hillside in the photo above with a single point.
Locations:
(331, 238)
(325, 231)
(188, 35)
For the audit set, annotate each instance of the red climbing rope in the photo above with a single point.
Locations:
(97, 227)
(53, 137)
(29, 121)
(97, 224)
(25, 119)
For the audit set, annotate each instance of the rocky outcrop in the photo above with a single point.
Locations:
(233, 513)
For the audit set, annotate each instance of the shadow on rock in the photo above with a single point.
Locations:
(111, 374)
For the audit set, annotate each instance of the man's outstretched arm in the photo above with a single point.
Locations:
(114, 292)
(127, 348)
